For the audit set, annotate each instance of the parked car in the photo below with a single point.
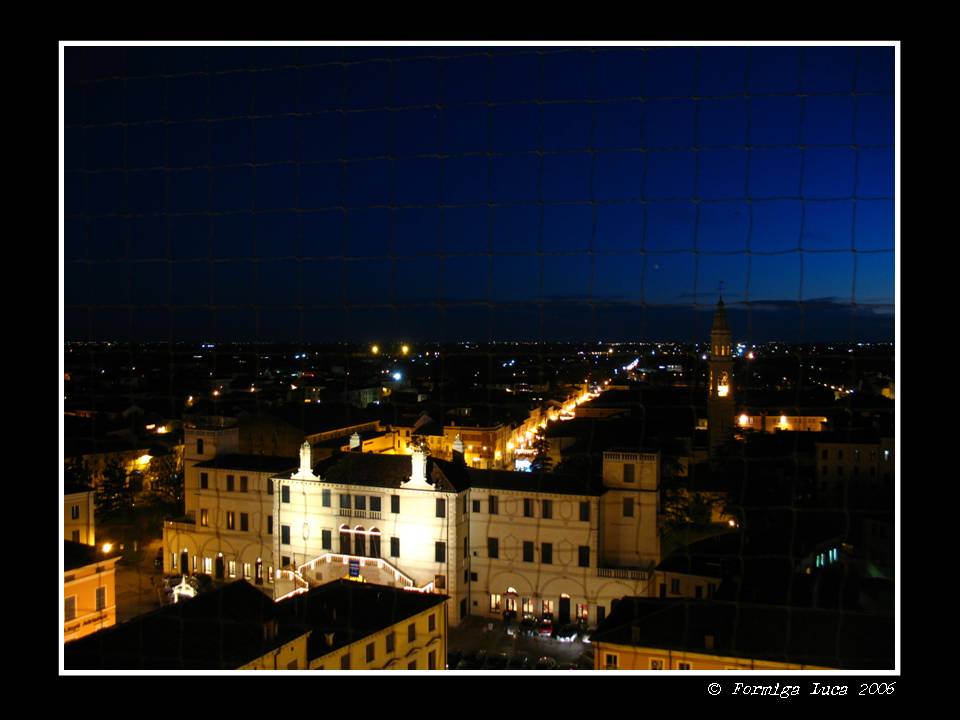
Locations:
(546, 628)
(528, 627)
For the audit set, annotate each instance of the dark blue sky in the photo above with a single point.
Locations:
(473, 193)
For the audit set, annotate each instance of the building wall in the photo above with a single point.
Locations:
(82, 528)
(416, 526)
(290, 656)
(216, 538)
(80, 585)
(406, 655)
(640, 658)
(858, 465)
(630, 541)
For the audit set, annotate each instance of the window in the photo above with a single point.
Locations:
(75, 536)
(269, 524)
(441, 508)
(527, 551)
(473, 577)
(395, 503)
(629, 470)
(656, 663)
(229, 483)
(244, 484)
(284, 534)
(326, 539)
(244, 521)
(208, 566)
(628, 507)
(74, 512)
(675, 586)
(270, 574)
(232, 568)
(345, 503)
(440, 582)
(70, 607)
(440, 552)
(412, 632)
(371, 652)
(247, 571)
(270, 487)
(345, 662)
(684, 666)
(432, 660)
(101, 598)
(547, 507)
(493, 548)
(285, 493)
(546, 553)
(476, 506)
(391, 642)
(199, 446)
(431, 623)
(231, 519)
(412, 665)
(204, 481)
(611, 661)
(584, 556)
(173, 562)
(494, 504)
(360, 502)
(344, 542)
(527, 507)
(585, 512)
(374, 503)
(395, 547)
(204, 518)
(325, 497)
(495, 603)
(375, 544)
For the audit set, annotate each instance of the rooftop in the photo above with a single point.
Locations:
(759, 632)
(253, 463)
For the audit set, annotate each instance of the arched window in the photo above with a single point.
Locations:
(344, 540)
(375, 543)
(359, 541)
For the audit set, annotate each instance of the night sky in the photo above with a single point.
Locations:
(450, 193)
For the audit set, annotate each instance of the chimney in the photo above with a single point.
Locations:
(458, 450)
(328, 637)
(355, 442)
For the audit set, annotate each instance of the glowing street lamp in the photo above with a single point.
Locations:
(404, 349)
(375, 349)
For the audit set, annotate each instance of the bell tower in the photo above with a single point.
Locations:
(720, 403)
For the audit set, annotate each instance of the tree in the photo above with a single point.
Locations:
(76, 473)
(112, 496)
(541, 461)
(167, 478)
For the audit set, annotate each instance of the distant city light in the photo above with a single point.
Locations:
(375, 349)
(405, 349)
(107, 547)
(397, 376)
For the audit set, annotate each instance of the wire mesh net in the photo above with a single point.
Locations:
(404, 235)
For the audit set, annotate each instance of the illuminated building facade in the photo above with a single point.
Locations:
(78, 515)
(89, 590)
(494, 541)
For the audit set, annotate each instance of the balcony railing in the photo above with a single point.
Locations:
(623, 573)
(354, 513)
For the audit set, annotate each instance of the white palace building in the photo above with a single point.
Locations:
(493, 541)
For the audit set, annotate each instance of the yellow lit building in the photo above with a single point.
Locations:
(654, 634)
(78, 515)
(89, 590)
